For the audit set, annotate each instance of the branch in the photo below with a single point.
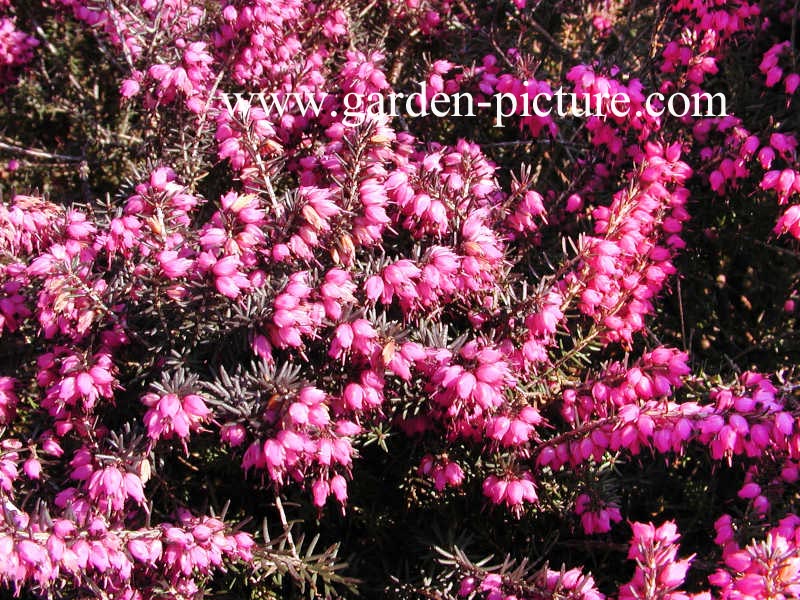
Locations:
(33, 153)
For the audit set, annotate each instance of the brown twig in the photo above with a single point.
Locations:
(549, 38)
(33, 153)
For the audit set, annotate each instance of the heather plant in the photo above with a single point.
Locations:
(259, 341)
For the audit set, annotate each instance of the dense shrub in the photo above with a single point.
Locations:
(328, 353)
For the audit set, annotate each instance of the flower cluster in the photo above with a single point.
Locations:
(16, 51)
(658, 570)
(277, 294)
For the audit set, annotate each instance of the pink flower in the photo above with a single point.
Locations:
(673, 574)
(173, 266)
(320, 490)
(32, 468)
(129, 88)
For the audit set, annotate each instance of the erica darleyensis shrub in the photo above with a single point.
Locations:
(258, 341)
